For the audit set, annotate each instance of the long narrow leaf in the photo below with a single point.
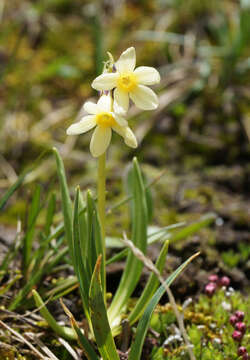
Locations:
(87, 347)
(20, 180)
(63, 331)
(22, 294)
(150, 288)
(193, 228)
(99, 317)
(78, 261)
(66, 201)
(133, 266)
(32, 218)
(143, 325)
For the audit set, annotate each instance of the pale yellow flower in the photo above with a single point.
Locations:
(130, 83)
(104, 120)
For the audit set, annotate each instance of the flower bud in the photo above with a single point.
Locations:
(239, 314)
(242, 350)
(240, 326)
(210, 289)
(213, 278)
(237, 335)
(233, 319)
(225, 281)
(245, 356)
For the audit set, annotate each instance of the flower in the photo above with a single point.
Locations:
(130, 83)
(104, 120)
(240, 315)
(225, 281)
(233, 320)
(240, 326)
(237, 335)
(213, 278)
(242, 350)
(210, 288)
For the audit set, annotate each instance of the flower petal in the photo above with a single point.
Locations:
(120, 120)
(130, 138)
(105, 81)
(87, 123)
(144, 98)
(104, 103)
(126, 61)
(147, 75)
(127, 134)
(90, 107)
(121, 102)
(100, 140)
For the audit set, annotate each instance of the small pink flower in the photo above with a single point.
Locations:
(240, 326)
(210, 289)
(245, 356)
(237, 335)
(233, 319)
(242, 350)
(240, 315)
(225, 281)
(213, 278)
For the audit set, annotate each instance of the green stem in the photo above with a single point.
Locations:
(101, 203)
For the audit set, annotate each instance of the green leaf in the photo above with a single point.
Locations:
(78, 260)
(90, 246)
(50, 213)
(63, 331)
(87, 347)
(13, 188)
(139, 238)
(193, 228)
(32, 218)
(20, 180)
(35, 278)
(66, 201)
(143, 325)
(150, 288)
(99, 317)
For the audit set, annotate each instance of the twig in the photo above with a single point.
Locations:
(23, 340)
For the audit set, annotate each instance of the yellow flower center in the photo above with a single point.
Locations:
(127, 81)
(105, 119)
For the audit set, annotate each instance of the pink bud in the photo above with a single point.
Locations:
(240, 326)
(237, 335)
(225, 281)
(233, 320)
(239, 314)
(210, 289)
(245, 356)
(242, 350)
(213, 278)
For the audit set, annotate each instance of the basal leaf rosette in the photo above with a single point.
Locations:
(104, 120)
(129, 82)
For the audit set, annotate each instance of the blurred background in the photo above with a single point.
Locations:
(51, 50)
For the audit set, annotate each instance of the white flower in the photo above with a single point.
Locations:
(104, 120)
(130, 82)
